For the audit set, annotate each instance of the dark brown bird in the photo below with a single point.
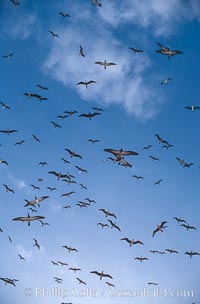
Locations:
(136, 50)
(41, 87)
(138, 177)
(171, 251)
(101, 274)
(81, 52)
(53, 34)
(36, 138)
(154, 158)
(73, 153)
(119, 154)
(192, 108)
(80, 281)
(36, 244)
(160, 227)
(108, 213)
(9, 281)
(166, 51)
(113, 225)
(89, 115)
(4, 106)
(28, 218)
(147, 147)
(19, 143)
(8, 131)
(2, 161)
(96, 3)
(21, 257)
(55, 124)
(105, 64)
(179, 220)
(8, 189)
(131, 242)
(15, 2)
(158, 182)
(188, 227)
(64, 15)
(74, 269)
(191, 253)
(141, 259)
(103, 225)
(70, 248)
(86, 83)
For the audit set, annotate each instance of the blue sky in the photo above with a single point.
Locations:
(136, 107)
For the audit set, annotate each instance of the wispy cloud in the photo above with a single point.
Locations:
(18, 183)
(19, 26)
(124, 84)
(161, 17)
(27, 254)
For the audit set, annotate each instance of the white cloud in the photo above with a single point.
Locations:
(27, 254)
(161, 17)
(123, 84)
(19, 183)
(19, 26)
(128, 84)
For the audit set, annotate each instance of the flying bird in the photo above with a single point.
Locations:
(131, 242)
(8, 131)
(73, 153)
(55, 124)
(161, 140)
(147, 147)
(103, 225)
(4, 106)
(136, 50)
(36, 244)
(15, 2)
(8, 189)
(28, 218)
(179, 220)
(160, 227)
(74, 269)
(101, 274)
(89, 115)
(9, 281)
(96, 3)
(80, 281)
(188, 227)
(86, 83)
(119, 154)
(2, 161)
(36, 138)
(154, 158)
(53, 34)
(8, 56)
(70, 248)
(81, 52)
(19, 143)
(105, 64)
(41, 87)
(166, 51)
(113, 225)
(93, 140)
(158, 182)
(64, 15)
(108, 213)
(171, 251)
(138, 177)
(165, 81)
(141, 259)
(192, 108)
(191, 253)
(21, 257)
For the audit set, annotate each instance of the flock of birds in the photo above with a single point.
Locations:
(117, 156)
